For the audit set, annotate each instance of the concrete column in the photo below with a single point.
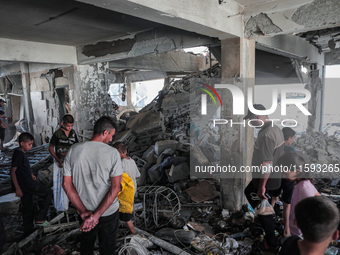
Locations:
(238, 60)
(322, 97)
(2, 85)
(129, 95)
(25, 78)
(315, 105)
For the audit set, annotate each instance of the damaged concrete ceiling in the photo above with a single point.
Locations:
(87, 31)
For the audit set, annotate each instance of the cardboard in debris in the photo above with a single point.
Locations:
(203, 191)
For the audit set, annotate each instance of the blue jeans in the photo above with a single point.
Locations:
(107, 235)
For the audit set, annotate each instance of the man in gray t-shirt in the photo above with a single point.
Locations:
(92, 177)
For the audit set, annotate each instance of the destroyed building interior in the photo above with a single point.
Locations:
(150, 65)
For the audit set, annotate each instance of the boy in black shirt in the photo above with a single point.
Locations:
(26, 185)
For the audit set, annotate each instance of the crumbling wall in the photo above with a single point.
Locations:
(87, 88)
(90, 99)
(319, 148)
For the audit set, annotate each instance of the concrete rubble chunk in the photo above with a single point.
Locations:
(145, 121)
(178, 173)
(160, 146)
(167, 151)
(153, 173)
(149, 154)
(127, 137)
(197, 154)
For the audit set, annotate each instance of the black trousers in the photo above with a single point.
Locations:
(28, 209)
(107, 235)
(267, 221)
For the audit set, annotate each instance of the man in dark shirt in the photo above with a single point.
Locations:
(26, 185)
(269, 147)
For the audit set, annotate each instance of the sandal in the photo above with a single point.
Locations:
(43, 224)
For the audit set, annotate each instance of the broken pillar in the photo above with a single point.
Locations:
(237, 142)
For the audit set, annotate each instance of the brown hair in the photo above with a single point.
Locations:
(120, 147)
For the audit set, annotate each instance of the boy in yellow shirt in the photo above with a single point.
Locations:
(128, 185)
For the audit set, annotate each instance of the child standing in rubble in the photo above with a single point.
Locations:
(129, 187)
(60, 143)
(26, 185)
(303, 188)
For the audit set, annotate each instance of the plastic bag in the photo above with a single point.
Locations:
(265, 208)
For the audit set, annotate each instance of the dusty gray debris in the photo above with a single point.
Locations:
(160, 146)
(317, 12)
(260, 24)
(178, 173)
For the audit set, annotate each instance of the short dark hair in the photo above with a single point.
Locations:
(25, 137)
(317, 217)
(288, 132)
(120, 147)
(68, 119)
(104, 123)
(2, 112)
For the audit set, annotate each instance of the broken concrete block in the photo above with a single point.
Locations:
(185, 147)
(9, 203)
(178, 173)
(143, 177)
(139, 162)
(197, 154)
(145, 143)
(153, 173)
(127, 137)
(144, 121)
(149, 154)
(160, 146)
(165, 152)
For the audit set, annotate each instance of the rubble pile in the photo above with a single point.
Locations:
(319, 148)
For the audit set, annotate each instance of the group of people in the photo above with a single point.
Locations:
(100, 182)
(98, 179)
(307, 215)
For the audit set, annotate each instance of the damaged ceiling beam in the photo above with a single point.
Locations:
(211, 18)
(25, 51)
(174, 61)
(157, 41)
(292, 47)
